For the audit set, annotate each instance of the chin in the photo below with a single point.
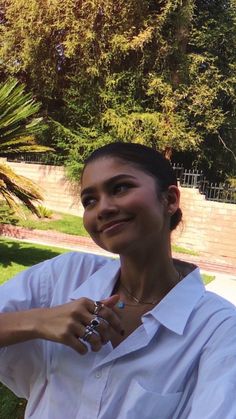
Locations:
(116, 249)
(122, 249)
(114, 246)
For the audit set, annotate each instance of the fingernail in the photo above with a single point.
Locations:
(122, 332)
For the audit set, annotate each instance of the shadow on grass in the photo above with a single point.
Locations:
(24, 254)
(10, 405)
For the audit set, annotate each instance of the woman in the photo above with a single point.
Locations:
(85, 336)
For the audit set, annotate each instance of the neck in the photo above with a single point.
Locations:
(148, 277)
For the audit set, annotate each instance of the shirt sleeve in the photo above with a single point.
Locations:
(214, 396)
(35, 287)
(29, 289)
(22, 363)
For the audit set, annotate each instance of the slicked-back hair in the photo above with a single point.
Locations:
(146, 159)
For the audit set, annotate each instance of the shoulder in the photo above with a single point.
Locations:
(67, 273)
(70, 269)
(205, 302)
(72, 260)
(37, 285)
(217, 320)
(216, 305)
(203, 313)
(75, 267)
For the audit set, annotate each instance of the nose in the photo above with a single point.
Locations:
(106, 207)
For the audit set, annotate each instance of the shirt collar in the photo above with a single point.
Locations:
(175, 308)
(100, 284)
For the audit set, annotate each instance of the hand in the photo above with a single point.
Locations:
(66, 323)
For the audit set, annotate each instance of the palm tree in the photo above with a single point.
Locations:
(17, 134)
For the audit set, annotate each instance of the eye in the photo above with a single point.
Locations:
(88, 201)
(121, 187)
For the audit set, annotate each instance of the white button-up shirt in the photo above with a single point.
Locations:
(180, 363)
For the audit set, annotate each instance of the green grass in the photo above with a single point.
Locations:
(180, 249)
(11, 407)
(15, 256)
(207, 278)
(64, 223)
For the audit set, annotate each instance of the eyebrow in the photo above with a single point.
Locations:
(107, 183)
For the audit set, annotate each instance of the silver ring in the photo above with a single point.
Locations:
(89, 330)
(97, 307)
(95, 322)
(87, 335)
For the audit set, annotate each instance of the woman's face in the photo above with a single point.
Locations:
(122, 212)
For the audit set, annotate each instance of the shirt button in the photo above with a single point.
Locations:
(98, 374)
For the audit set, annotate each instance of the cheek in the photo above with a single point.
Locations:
(146, 202)
(87, 222)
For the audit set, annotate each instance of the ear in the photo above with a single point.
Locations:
(172, 199)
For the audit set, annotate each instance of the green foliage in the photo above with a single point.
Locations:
(44, 212)
(10, 405)
(17, 130)
(7, 215)
(232, 182)
(159, 73)
(15, 188)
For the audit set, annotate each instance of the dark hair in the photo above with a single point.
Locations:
(147, 159)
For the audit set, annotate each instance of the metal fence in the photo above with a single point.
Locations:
(193, 178)
(38, 158)
(220, 192)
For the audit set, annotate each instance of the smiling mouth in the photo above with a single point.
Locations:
(109, 227)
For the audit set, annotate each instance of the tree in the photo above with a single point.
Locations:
(157, 72)
(17, 134)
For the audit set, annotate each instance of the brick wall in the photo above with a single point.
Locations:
(208, 227)
(59, 193)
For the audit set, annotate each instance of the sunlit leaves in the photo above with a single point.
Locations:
(18, 127)
(161, 72)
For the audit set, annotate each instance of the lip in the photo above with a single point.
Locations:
(113, 225)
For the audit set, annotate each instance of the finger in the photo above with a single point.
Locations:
(92, 336)
(95, 341)
(76, 344)
(112, 318)
(108, 302)
(103, 329)
(105, 312)
(111, 301)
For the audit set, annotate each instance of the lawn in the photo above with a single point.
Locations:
(64, 223)
(15, 256)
